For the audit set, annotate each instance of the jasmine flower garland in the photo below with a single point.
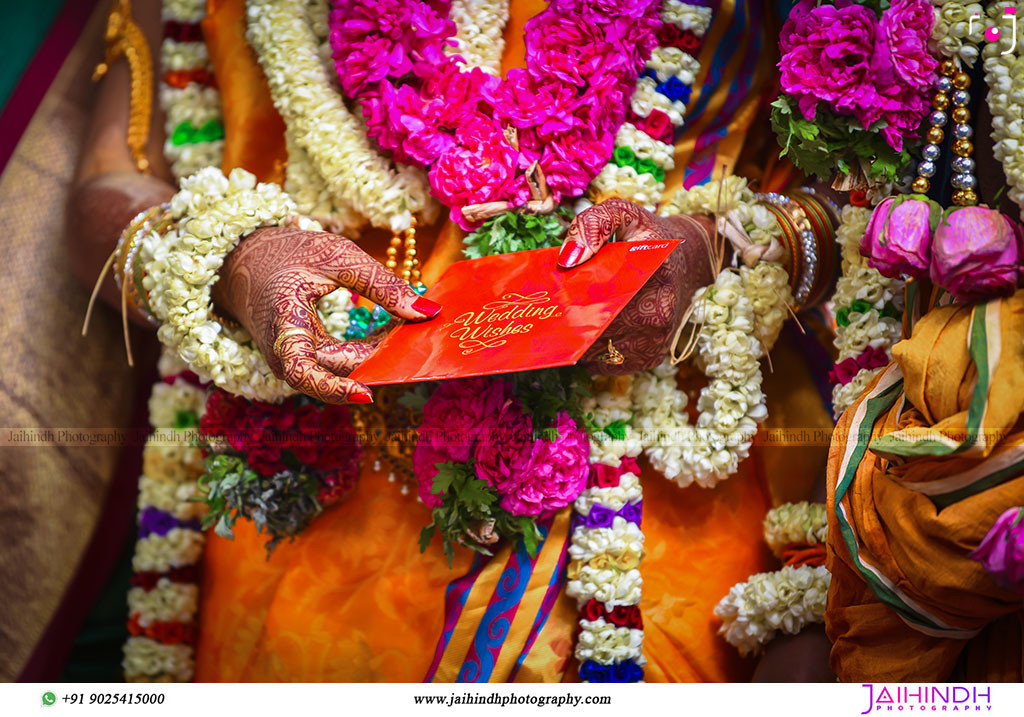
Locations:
(740, 317)
(802, 523)
(213, 213)
(607, 545)
(190, 101)
(1004, 74)
(786, 600)
(163, 600)
(335, 140)
(863, 295)
(952, 31)
(480, 40)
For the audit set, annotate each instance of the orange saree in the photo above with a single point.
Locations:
(352, 599)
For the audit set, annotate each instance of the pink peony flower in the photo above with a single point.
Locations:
(975, 254)
(575, 49)
(424, 466)
(605, 8)
(371, 40)
(1002, 550)
(907, 27)
(573, 159)
(479, 167)
(457, 414)
(554, 475)
(898, 237)
(501, 454)
(829, 54)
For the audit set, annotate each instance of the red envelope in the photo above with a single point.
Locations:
(514, 312)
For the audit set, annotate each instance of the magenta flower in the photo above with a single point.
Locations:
(502, 454)
(456, 415)
(975, 254)
(907, 27)
(420, 104)
(1002, 550)
(829, 55)
(554, 475)
(479, 167)
(898, 237)
(460, 411)
(605, 8)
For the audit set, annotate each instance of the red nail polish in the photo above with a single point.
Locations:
(426, 307)
(569, 255)
(361, 397)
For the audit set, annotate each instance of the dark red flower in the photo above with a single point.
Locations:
(592, 610)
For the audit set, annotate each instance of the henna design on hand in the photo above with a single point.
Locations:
(271, 284)
(646, 326)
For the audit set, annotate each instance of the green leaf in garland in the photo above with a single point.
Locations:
(426, 536)
(617, 429)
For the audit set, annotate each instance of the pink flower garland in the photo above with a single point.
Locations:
(861, 65)
(423, 106)
(480, 419)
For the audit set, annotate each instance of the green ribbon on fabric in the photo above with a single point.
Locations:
(185, 133)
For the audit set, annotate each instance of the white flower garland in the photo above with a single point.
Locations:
(194, 104)
(1004, 75)
(858, 281)
(213, 214)
(335, 139)
(951, 32)
(147, 660)
(168, 482)
(788, 600)
(615, 584)
(480, 35)
(802, 523)
(742, 314)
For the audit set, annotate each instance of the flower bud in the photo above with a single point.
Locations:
(898, 237)
(975, 253)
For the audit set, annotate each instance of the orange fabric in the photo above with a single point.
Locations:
(899, 530)
(254, 131)
(353, 600)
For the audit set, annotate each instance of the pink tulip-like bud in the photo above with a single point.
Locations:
(1002, 551)
(898, 238)
(975, 252)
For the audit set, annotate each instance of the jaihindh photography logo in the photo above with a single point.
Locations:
(926, 698)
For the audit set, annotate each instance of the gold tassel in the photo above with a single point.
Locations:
(125, 39)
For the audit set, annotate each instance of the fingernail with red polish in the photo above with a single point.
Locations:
(569, 254)
(361, 397)
(426, 307)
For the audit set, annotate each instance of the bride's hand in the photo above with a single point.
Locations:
(271, 283)
(644, 330)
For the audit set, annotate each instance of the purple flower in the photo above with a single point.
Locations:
(153, 521)
(898, 237)
(632, 512)
(975, 254)
(600, 517)
(1002, 550)
(554, 475)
